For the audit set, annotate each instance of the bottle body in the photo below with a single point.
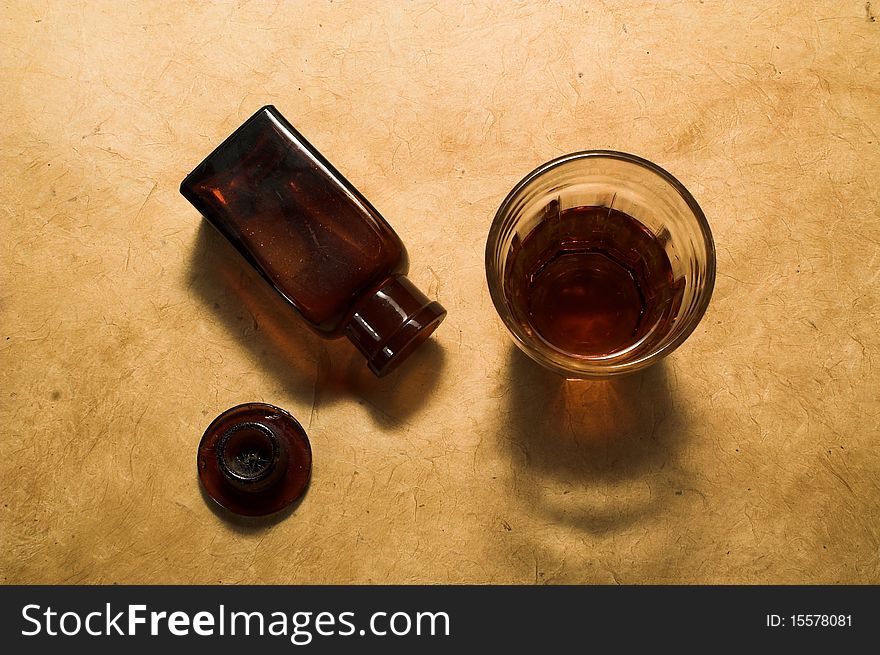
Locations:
(306, 230)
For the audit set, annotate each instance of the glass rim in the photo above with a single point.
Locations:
(593, 367)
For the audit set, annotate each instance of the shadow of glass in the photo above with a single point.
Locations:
(591, 447)
(314, 369)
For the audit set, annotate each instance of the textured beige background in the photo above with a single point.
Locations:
(750, 455)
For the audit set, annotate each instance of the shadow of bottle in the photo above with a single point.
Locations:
(594, 451)
(317, 370)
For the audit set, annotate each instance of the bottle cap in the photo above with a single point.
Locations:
(255, 459)
(389, 323)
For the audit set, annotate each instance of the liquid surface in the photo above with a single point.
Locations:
(591, 281)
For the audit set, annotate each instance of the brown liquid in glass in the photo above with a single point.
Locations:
(591, 281)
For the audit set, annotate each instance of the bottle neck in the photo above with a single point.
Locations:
(390, 321)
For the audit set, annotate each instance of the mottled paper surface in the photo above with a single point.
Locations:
(750, 455)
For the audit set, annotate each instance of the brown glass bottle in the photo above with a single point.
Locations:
(314, 238)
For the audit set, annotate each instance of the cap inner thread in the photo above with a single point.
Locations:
(247, 452)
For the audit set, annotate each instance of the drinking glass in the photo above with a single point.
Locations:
(600, 263)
